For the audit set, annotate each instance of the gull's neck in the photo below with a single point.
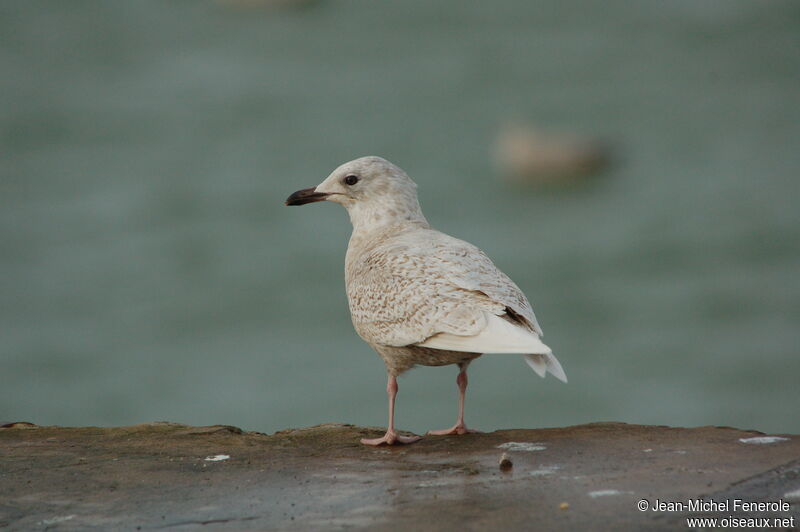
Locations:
(385, 216)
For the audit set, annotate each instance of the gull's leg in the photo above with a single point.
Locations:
(391, 437)
(459, 427)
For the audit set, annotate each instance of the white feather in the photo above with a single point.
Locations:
(537, 363)
(543, 363)
(498, 336)
(502, 336)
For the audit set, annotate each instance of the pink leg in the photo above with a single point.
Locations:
(459, 427)
(391, 437)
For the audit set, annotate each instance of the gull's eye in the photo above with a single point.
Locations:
(351, 180)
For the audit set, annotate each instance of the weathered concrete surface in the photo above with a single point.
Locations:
(158, 476)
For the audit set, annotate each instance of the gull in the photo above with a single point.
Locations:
(419, 296)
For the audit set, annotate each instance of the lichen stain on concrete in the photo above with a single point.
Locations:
(522, 446)
(760, 440)
(606, 493)
(217, 458)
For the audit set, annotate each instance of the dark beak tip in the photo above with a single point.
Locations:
(307, 195)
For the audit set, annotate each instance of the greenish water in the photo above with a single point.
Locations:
(149, 270)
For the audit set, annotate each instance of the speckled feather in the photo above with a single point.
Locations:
(407, 283)
(410, 282)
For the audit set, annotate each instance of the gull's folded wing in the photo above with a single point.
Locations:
(498, 336)
(502, 336)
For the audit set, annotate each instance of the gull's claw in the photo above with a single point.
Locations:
(390, 438)
(457, 429)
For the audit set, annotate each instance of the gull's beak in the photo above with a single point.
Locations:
(307, 195)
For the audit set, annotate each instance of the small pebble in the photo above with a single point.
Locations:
(563, 506)
(505, 463)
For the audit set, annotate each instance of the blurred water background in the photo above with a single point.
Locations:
(149, 270)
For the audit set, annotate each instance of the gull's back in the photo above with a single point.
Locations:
(410, 282)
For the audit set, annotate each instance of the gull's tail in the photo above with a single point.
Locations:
(541, 364)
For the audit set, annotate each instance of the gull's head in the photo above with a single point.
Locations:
(370, 188)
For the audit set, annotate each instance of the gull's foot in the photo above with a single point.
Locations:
(390, 438)
(457, 429)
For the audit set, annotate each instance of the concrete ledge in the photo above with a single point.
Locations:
(166, 475)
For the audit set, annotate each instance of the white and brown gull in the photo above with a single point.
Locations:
(419, 296)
